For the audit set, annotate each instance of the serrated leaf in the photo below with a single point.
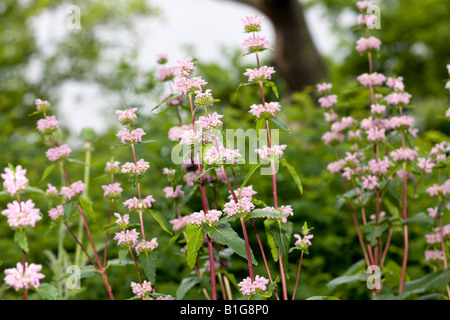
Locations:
(47, 171)
(20, 238)
(293, 174)
(225, 235)
(282, 233)
(270, 240)
(123, 252)
(147, 260)
(372, 232)
(48, 291)
(194, 241)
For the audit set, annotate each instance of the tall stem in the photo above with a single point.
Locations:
(298, 275)
(24, 262)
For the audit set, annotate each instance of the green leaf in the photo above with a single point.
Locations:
(373, 232)
(35, 190)
(78, 161)
(21, 238)
(161, 220)
(293, 173)
(148, 141)
(48, 292)
(86, 204)
(420, 218)
(270, 240)
(432, 281)
(68, 209)
(204, 172)
(259, 213)
(244, 85)
(282, 233)
(225, 235)
(185, 285)
(47, 171)
(346, 279)
(323, 298)
(272, 85)
(123, 252)
(280, 123)
(147, 260)
(250, 172)
(260, 124)
(170, 97)
(194, 241)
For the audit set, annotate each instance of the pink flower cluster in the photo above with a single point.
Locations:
(249, 287)
(47, 125)
(136, 204)
(370, 43)
(371, 80)
(303, 242)
(56, 212)
(22, 214)
(210, 121)
(181, 222)
(146, 246)
(259, 74)
(143, 290)
(130, 136)
(58, 153)
(112, 167)
(274, 151)
(221, 155)
(437, 190)
(286, 210)
(243, 205)
(200, 217)
(127, 238)
(122, 222)
(252, 24)
(112, 191)
(255, 44)
(204, 99)
(73, 190)
(171, 193)
(137, 168)
(434, 255)
(16, 278)
(127, 116)
(15, 181)
(268, 110)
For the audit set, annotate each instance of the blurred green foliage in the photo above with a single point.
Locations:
(335, 246)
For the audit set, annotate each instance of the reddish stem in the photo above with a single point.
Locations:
(298, 275)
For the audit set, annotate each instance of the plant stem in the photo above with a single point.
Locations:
(136, 264)
(24, 261)
(247, 250)
(298, 275)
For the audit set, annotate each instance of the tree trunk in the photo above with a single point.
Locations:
(296, 57)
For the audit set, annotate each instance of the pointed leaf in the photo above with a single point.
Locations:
(86, 204)
(282, 233)
(280, 123)
(48, 291)
(47, 171)
(293, 173)
(194, 241)
(147, 260)
(185, 285)
(161, 220)
(21, 238)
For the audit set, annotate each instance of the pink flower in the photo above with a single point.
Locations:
(122, 222)
(146, 246)
(175, 133)
(331, 117)
(56, 212)
(139, 168)
(343, 124)
(447, 85)
(16, 278)
(270, 109)
(370, 182)
(58, 153)
(425, 164)
(141, 290)
(363, 5)
(190, 177)
(244, 192)
(364, 44)
(336, 166)
(434, 190)
(210, 122)
(189, 137)
(15, 181)
(242, 206)
(127, 116)
(379, 166)
(378, 109)
(112, 191)
(252, 24)
(127, 238)
(376, 135)
(221, 155)
(434, 255)
(180, 223)
(371, 80)
(433, 212)
(204, 99)
(275, 151)
(261, 74)
(200, 217)
(42, 105)
(248, 287)
(174, 101)
(286, 210)
(170, 193)
(22, 214)
(255, 44)
(47, 125)
(168, 172)
(188, 85)
(329, 101)
(323, 86)
(404, 154)
(380, 215)
(396, 83)
(137, 204)
(185, 67)
(167, 74)
(112, 167)
(397, 98)
(305, 241)
(51, 191)
(74, 190)
(447, 113)
(401, 122)
(332, 138)
(127, 136)
(161, 58)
